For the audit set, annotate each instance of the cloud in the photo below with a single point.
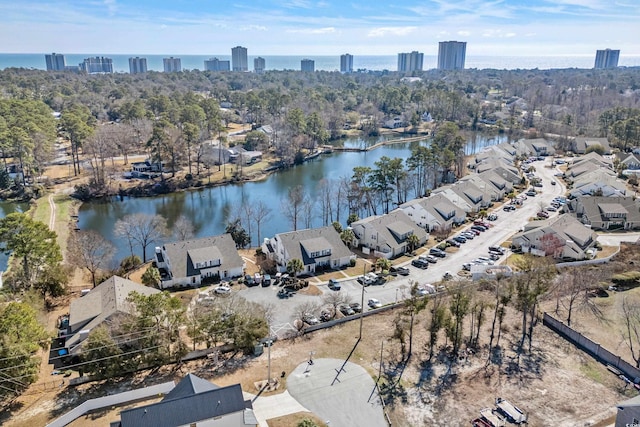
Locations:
(253, 27)
(112, 6)
(327, 30)
(394, 31)
(498, 34)
(464, 33)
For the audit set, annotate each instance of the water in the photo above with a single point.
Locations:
(210, 209)
(325, 63)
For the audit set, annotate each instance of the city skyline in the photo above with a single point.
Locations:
(323, 27)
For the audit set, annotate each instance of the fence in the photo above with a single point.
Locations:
(594, 349)
(594, 261)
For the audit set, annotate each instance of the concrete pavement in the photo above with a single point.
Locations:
(349, 401)
(278, 405)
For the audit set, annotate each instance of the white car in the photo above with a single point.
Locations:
(222, 290)
(374, 303)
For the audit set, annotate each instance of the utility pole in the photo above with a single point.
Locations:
(269, 343)
(362, 302)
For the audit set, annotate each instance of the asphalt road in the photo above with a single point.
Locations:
(398, 288)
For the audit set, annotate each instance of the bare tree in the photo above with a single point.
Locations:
(575, 284)
(335, 299)
(631, 333)
(142, 229)
(261, 212)
(183, 228)
(293, 205)
(302, 311)
(99, 147)
(91, 251)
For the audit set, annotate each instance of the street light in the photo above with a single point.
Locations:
(268, 343)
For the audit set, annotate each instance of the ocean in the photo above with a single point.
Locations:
(325, 63)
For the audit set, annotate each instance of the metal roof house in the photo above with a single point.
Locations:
(102, 303)
(188, 262)
(194, 401)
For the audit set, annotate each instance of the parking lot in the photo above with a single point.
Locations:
(398, 288)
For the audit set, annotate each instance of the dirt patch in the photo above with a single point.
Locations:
(294, 419)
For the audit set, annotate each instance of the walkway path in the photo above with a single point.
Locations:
(278, 405)
(52, 216)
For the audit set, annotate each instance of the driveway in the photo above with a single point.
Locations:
(347, 402)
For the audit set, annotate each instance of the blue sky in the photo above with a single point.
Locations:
(319, 27)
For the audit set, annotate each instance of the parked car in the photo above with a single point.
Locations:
(543, 214)
(453, 243)
(355, 306)
(429, 258)
(499, 249)
(249, 281)
(374, 303)
(403, 271)
(468, 235)
(531, 193)
(473, 231)
(222, 290)
(494, 256)
(438, 252)
(266, 280)
(485, 260)
(346, 310)
(460, 239)
(419, 263)
(479, 228)
(509, 208)
(325, 316)
(310, 319)
(492, 217)
(551, 209)
(467, 266)
(364, 280)
(334, 285)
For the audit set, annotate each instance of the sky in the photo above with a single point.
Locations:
(319, 27)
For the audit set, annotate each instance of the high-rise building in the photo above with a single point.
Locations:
(451, 55)
(172, 65)
(607, 58)
(239, 60)
(215, 64)
(308, 65)
(408, 62)
(346, 63)
(259, 64)
(137, 65)
(97, 65)
(55, 62)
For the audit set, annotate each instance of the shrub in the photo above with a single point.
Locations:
(627, 280)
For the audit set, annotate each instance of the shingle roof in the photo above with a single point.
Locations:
(382, 223)
(300, 243)
(184, 254)
(100, 303)
(190, 385)
(187, 409)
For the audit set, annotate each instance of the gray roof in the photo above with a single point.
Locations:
(188, 408)
(612, 208)
(567, 228)
(387, 227)
(300, 243)
(190, 385)
(591, 209)
(102, 302)
(183, 255)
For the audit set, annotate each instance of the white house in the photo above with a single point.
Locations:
(387, 235)
(189, 262)
(317, 248)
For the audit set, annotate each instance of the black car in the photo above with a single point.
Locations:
(479, 228)
(509, 208)
(355, 306)
(403, 271)
(437, 252)
(249, 280)
(420, 263)
(460, 239)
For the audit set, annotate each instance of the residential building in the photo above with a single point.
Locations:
(317, 248)
(561, 237)
(535, 147)
(394, 123)
(606, 58)
(387, 235)
(607, 213)
(628, 160)
(408, 62)
(215, 64)
(102, 304)
(239, 60)
(193, 401)
(594, 158)
(467, 192)
(190, 262)
(97, 65)
(259, 65)
(308, 65)
(628, 412)
(55, 62)
(451, 55)
(436, 212)
(137, 65)
(501, 168)
(346, 63)
(580, 144)
(597, 182)
(172, 65)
